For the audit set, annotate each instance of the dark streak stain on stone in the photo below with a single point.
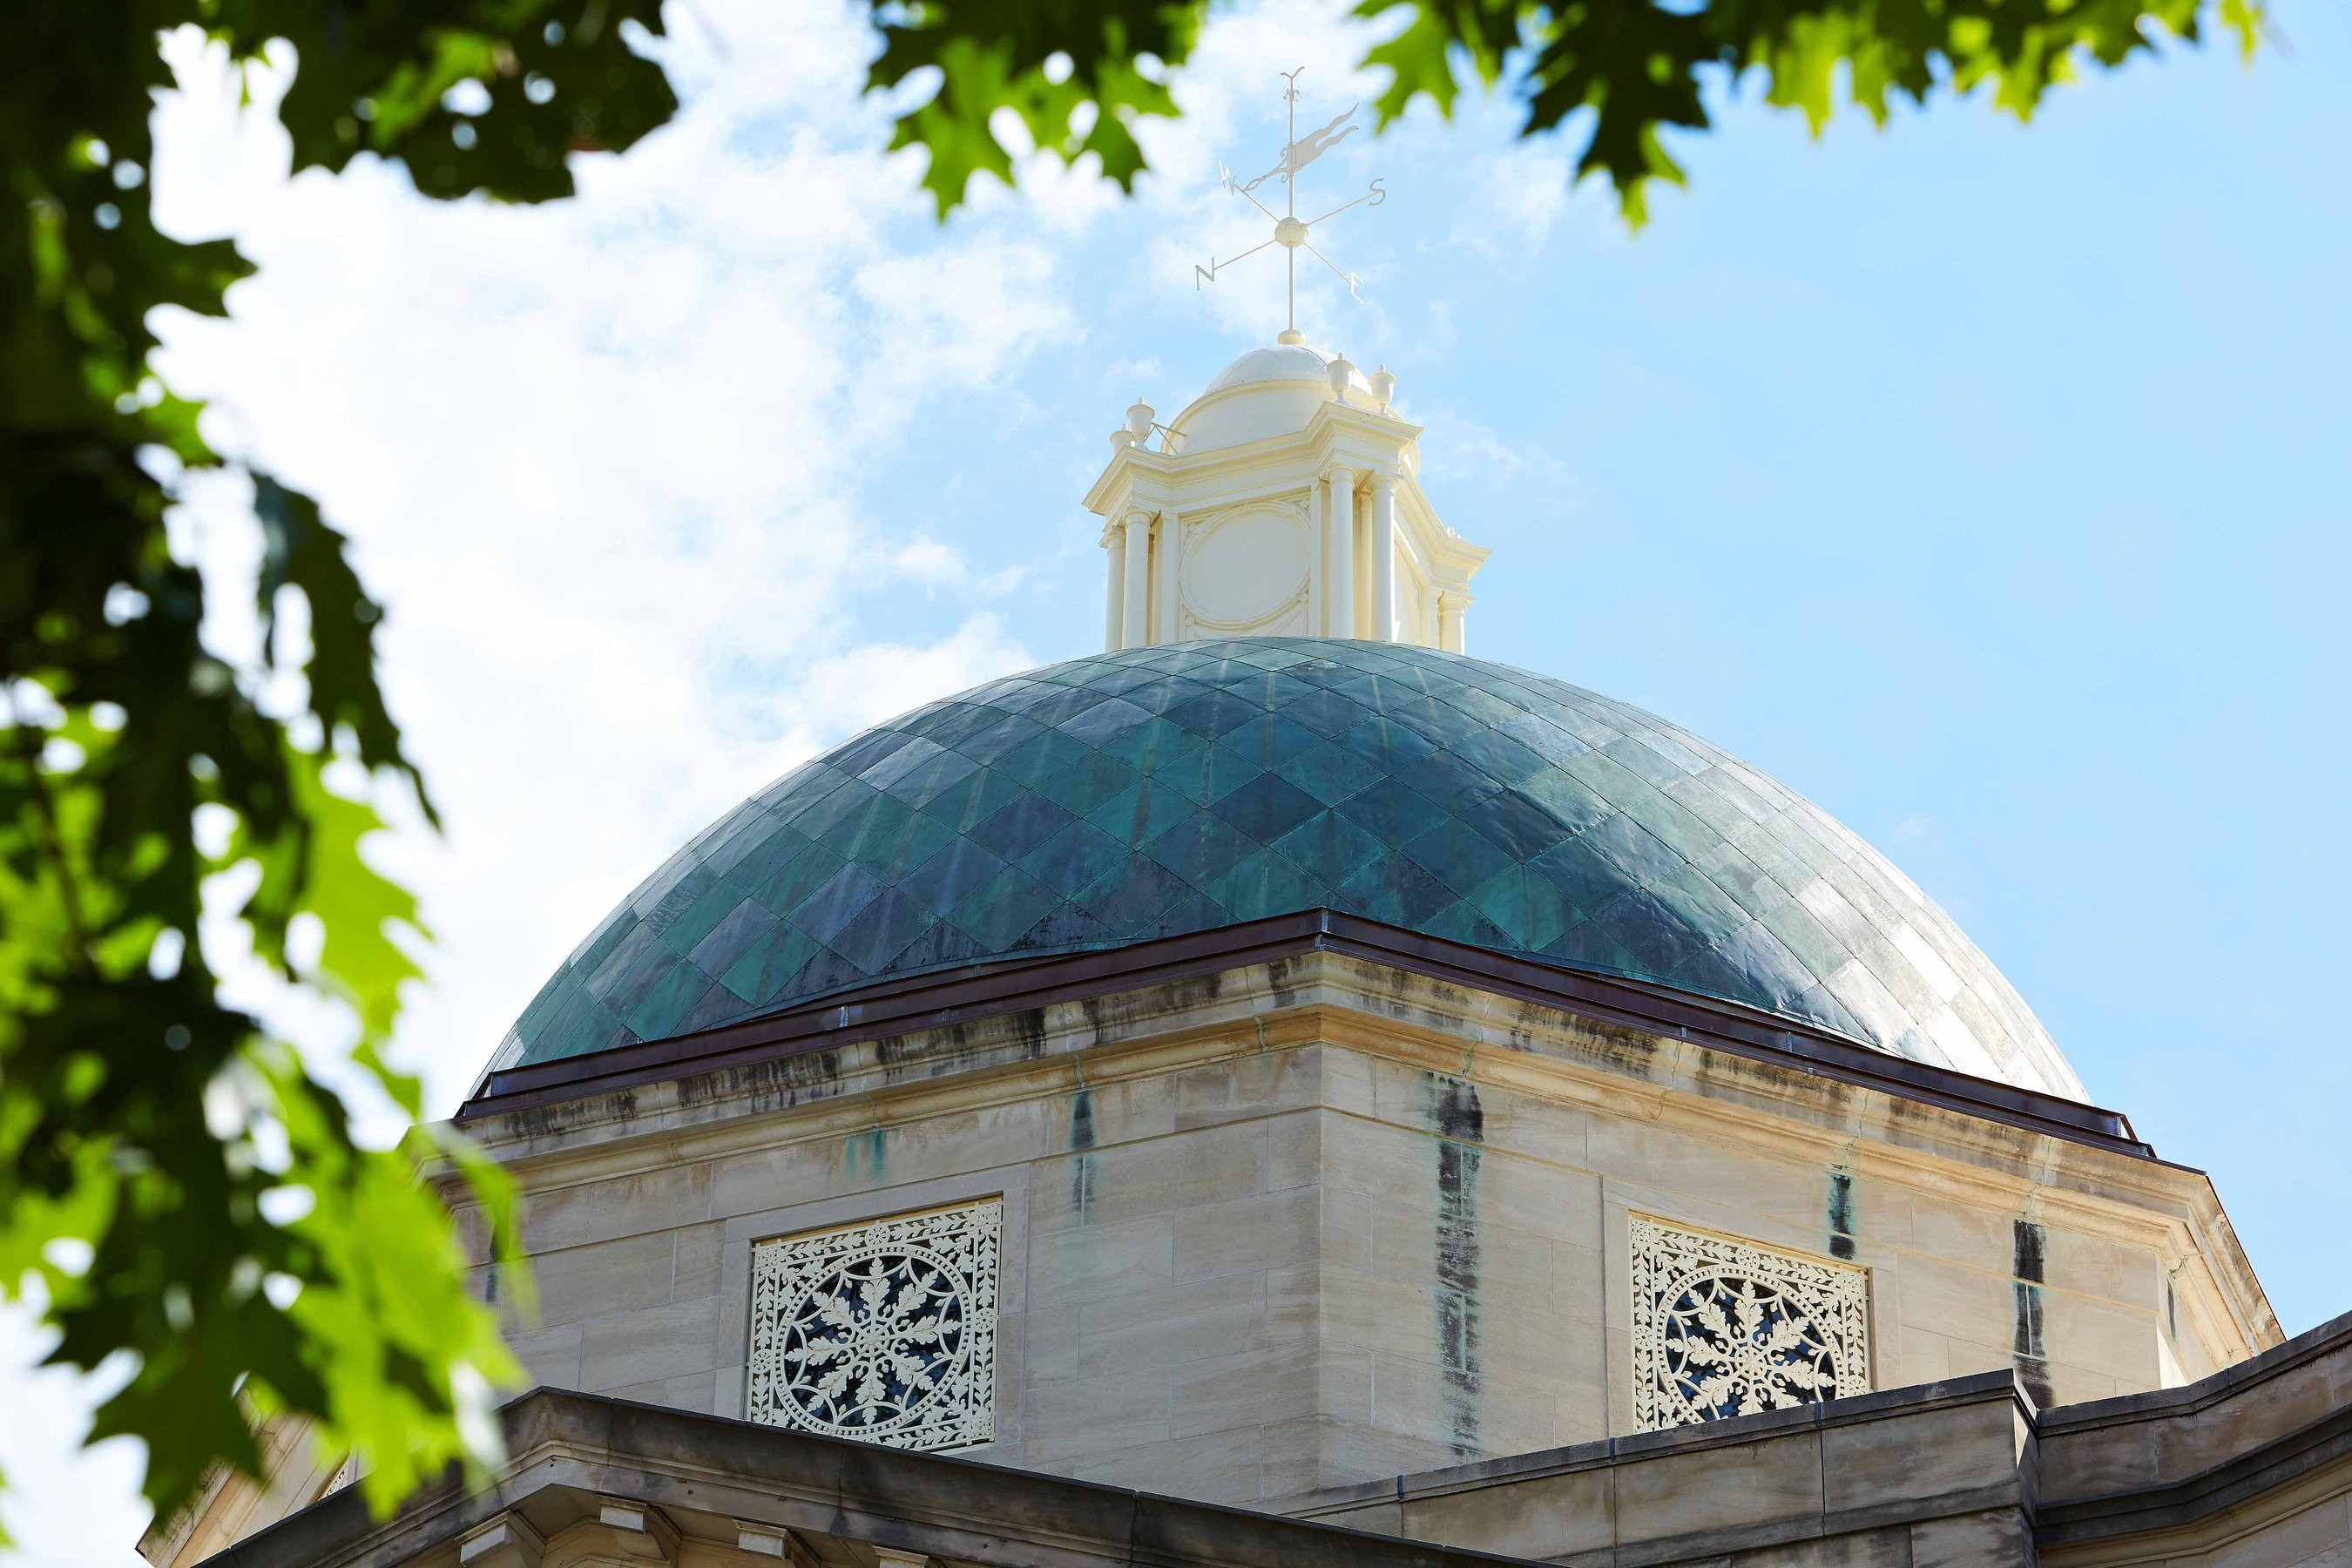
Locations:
(868, 1144)
(1627, 1050)
(1461, 1125)
(1286, 981)
(2030, 1240)
(1840, 1212)
(1082, 1139)
(1028, 1028)
(2027, 1347)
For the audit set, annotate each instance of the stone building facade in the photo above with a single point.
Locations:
(1288, 1096)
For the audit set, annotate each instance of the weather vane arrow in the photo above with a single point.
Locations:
(1290, 230)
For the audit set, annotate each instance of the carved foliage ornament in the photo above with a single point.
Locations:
(1728, 1328)
(884, 1332)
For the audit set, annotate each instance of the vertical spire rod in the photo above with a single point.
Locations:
(1290, 185)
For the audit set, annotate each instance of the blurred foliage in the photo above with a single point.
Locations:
(174, 1183)
(1077, 73)
(178, 1188)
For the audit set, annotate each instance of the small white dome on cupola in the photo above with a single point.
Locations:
(1266, 392)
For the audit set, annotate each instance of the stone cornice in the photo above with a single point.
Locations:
(2144, 1478)
(1337, 435)
(705, 1478)
(963, 1042)
(2251, 1444)
(958, 999)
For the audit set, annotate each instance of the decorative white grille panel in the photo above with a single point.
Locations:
(884, 1332)
(1728, 1328)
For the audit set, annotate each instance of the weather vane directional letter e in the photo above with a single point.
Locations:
(1289, 229)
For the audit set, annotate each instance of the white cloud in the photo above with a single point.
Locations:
(1458, 450)
(1514, 196)
(604, 461)
(868, 682)
(66, 1507)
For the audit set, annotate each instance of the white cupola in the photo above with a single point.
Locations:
(1283, 502)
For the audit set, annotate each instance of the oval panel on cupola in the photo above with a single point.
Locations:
(1246, 570)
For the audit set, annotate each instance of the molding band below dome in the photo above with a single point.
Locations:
(967, 996)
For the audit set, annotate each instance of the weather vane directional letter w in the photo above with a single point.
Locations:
(1290, 230)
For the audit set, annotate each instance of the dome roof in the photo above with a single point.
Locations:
(1172, 789)
(1282, 362)
(1266, 392)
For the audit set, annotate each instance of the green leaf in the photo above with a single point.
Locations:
(359, 960)
(995, 55)
(301, 551)
(1420, 58)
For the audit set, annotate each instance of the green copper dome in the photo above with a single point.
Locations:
(1172, 789)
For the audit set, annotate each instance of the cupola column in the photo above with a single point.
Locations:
(1449, 623)
(1339, 594)
(1114, 587)
(1135, 610)
(1382, 543)
(1167, 601)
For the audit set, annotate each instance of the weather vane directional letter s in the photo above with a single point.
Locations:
(1290, 230)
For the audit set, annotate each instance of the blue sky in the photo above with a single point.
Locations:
(1984, 483)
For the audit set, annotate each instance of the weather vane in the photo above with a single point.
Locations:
(1290, 230)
